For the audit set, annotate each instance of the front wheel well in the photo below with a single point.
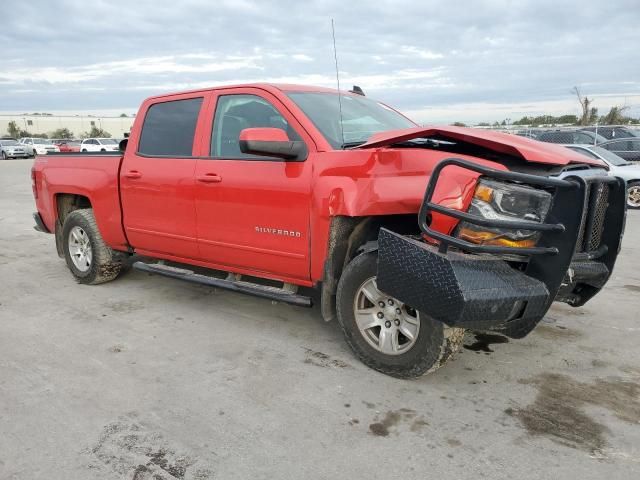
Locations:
(350, 236)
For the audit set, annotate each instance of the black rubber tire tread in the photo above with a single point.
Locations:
(104, 268)
(435, 344)
(629, 185)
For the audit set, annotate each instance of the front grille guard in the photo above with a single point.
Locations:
(486, 292)
(448, 240)
(559, 234)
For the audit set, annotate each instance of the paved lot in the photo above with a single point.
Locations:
(149, 376)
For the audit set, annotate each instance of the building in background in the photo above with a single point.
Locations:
(77, 124)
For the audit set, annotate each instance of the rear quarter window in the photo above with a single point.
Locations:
(169, 128)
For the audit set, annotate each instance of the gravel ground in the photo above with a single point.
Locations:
(150, 378)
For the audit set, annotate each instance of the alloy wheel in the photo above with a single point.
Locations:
(387, 324)
(80, 249)
(633, 196)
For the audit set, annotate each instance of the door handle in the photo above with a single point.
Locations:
(133, 174)
(209, 178)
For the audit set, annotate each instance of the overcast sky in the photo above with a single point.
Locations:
(437, 61)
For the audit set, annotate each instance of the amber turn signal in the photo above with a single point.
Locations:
(491, 238)
(483, 193)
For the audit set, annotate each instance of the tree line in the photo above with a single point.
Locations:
(589, 116)
(16, 132)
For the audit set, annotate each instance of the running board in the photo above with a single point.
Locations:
(272, 293)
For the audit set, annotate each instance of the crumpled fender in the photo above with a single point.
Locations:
(383, 182)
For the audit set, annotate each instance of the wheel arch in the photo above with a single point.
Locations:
(66, 203)
(350, 237)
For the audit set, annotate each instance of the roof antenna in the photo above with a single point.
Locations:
(335, 56)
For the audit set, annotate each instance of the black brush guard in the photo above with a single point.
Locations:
(472, 286)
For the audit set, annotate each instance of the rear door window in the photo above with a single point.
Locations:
(169, 128)
(621, 146)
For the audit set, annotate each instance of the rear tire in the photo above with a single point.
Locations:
(633, 195)
(90, 260)
(433, 343)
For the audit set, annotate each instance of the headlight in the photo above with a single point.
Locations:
(505, 201)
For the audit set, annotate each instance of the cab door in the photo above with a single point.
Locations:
(252, 211)
(157, 177)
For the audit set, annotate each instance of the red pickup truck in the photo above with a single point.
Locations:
(411, 234)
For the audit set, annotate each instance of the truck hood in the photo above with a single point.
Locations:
(514, 145)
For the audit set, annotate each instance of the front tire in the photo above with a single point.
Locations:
(4, 155)
(633, 195)
(385, 334)
(90, 260)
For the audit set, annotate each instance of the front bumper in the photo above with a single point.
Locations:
(15, 153)
(505, 288)
(470, 291)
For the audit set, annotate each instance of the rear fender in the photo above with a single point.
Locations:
(99, 185)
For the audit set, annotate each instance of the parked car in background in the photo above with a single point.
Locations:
(40, 146)
(613, 132)
(27, 146)
(618, 167)
(12, 149)
(627, 148)
(99, 145)
(67, 146)
(571, 137)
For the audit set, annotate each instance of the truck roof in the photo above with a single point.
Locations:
(283, 87)
(529, 150)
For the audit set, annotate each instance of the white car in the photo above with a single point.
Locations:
(619, 167)
(99, 145)
(39, 146)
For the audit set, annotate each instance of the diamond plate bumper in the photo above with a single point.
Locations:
(470, 291)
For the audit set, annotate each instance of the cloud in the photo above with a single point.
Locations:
(472, 59)
(301, 57)
(412, 51)
(136, 66)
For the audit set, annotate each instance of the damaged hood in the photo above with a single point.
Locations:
(513, 145)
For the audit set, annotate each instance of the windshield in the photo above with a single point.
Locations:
(8, 143)
(41, 141)
(610, 157)
(361, 116)
(107, 141)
